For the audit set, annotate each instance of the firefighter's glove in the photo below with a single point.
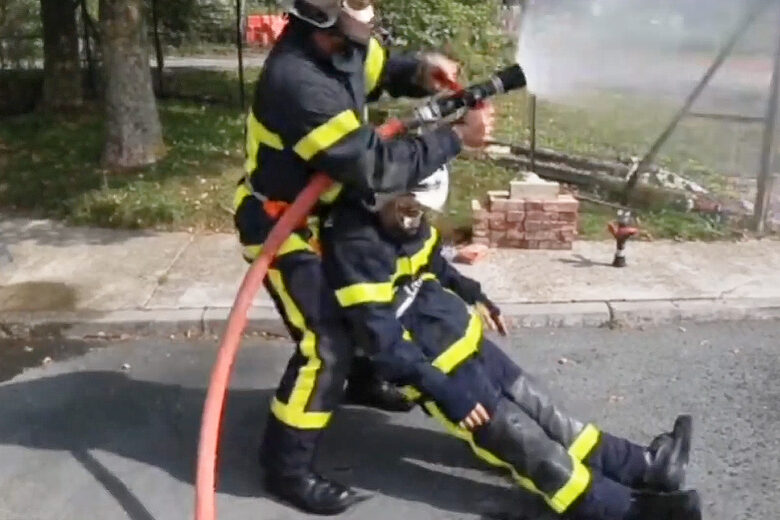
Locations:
(491, 315)
(436, 72)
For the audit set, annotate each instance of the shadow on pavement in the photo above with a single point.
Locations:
(581, 261)
(158, 424)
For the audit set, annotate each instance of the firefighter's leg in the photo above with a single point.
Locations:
(515, 441)
(366, 388)
(660, 466)
(312, 385)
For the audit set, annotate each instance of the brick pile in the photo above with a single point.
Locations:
(527, 223)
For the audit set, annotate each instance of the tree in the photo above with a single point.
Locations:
(133, 131)
(62, 87)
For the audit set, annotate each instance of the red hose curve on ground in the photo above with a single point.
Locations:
(211, 423)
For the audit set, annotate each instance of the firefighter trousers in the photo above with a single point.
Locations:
(570, 463)
(312, 385)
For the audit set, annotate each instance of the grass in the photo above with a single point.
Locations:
(51, 164)
(52, 169)
(613, 125)
(213, 87)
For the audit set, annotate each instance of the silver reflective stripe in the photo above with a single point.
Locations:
(411, 290)
(259, 196)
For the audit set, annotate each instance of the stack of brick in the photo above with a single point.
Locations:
(525, 223)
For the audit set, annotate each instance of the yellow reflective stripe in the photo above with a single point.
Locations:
(410, 266)
(375, 63)
(257, 134)
(482, 453)
(383, 291)
(461, 349)
(407, 335)
(361, 293)
(241, 193)
(293, 244)
(410, 393)
(330, 196)
(294, 411)
(327, 134)
(303, 421)
(560, 502)
(585, 442)
(252, 252)
(571, 491)
(422, 257)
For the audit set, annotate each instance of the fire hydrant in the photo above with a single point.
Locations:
(622, 231)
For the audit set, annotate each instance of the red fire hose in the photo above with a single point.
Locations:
(211, 423)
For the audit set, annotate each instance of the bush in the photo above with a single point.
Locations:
(466, 29)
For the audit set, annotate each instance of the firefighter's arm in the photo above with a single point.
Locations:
(403, 74)
(329, 136)
(469, 290)
(361, 280)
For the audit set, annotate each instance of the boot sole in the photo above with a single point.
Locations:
(322, 511)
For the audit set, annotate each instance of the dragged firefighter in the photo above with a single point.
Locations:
(423, 319)
(307, 117)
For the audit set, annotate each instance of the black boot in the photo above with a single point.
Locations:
(679, 505)
(365, 388)
(311, 493)
(668, 455)
(287, 456)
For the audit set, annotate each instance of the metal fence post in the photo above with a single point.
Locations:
(768, 146)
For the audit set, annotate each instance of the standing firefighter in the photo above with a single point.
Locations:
(307, 118)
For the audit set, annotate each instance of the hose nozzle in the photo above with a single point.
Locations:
(505, 80)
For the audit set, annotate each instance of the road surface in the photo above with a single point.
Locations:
(109, 430)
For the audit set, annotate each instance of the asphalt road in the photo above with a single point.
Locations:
(109, 430)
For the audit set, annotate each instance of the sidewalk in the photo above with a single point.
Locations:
(83, 281)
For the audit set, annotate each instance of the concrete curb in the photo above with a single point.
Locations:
(264, 319)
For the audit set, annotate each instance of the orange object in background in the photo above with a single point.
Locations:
(263, 30)
(471, 254)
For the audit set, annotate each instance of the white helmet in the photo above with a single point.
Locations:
(355, 18)
(402, 214)
(432, 192)
(319, 13)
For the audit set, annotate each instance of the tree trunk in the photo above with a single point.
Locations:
(62, 71)
(133, 132)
